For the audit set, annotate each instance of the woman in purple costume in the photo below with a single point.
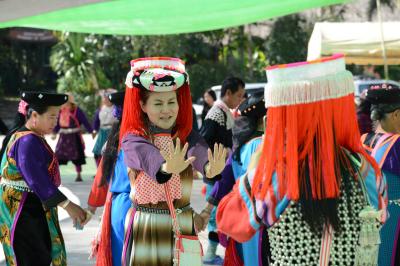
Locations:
(70, 145)
(29, 228)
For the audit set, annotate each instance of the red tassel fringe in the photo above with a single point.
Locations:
(232, 257)
(104, 256)
(315, 132)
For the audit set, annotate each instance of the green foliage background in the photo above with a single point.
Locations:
(85, 63)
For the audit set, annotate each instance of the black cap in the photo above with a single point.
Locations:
(117, 98)
(38, 98)
(383, 94)
(253, 106)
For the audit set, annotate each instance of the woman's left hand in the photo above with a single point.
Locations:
(199, 222)
(216, 161)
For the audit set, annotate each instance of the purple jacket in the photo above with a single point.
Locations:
(142, 155)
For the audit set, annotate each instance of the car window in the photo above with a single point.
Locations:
(248, 91)
(363, 87)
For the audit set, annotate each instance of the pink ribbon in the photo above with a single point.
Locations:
(22, 107)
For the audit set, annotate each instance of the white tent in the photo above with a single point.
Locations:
(359, 42)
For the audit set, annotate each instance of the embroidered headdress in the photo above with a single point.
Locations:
(117, 99)
(253, 106)
(156, 74)
(383, 94)
(37, 98)
(311, 114)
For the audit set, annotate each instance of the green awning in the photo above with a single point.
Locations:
(153, 17)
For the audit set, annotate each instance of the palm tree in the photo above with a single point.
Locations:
(74, 59)
(71, 61)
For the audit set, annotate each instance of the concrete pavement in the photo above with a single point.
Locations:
(78, 241)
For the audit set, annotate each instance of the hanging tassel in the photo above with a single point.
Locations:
(104, 256)
(231, 255)
(179, 244)
(369, 240)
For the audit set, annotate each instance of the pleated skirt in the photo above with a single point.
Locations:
(151, 242)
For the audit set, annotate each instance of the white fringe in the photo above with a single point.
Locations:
(309, 91)
(128, 81)
(157, 63)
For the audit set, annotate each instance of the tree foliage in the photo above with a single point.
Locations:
(86, 63)
(24, 66)
(209, 56)
(288, 40)
(80, 62)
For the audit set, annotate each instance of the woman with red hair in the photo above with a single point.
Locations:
(312, 184)
(157, 118)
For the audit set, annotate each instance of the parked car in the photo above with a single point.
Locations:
(250, 88)
(362, 85)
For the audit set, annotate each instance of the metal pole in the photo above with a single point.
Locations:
(385, 65)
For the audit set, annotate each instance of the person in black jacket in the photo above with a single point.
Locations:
(217, 129)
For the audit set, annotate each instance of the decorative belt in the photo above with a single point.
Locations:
(70, 130)
(15, 184)
(395, 202)
(106, 126)
(159, 211)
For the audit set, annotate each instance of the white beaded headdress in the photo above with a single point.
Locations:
(308, 82)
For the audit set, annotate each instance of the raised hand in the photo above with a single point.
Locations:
(216, 161)
(175, 163)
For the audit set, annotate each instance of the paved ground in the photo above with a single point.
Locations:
(78, 242)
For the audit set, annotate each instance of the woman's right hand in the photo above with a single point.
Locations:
(77, 214)
(175, 163)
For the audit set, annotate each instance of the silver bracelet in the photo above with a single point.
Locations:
(65, 203)
(206, 211)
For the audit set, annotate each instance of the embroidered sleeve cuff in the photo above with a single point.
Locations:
(162, 177)
(210, 181)
(212, 200)
(54, 200)
(217, 177)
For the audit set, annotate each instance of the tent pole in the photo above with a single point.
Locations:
(385, 65)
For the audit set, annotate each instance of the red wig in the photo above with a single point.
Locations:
(134, 119)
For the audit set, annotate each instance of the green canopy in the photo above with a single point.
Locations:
(153, 17)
